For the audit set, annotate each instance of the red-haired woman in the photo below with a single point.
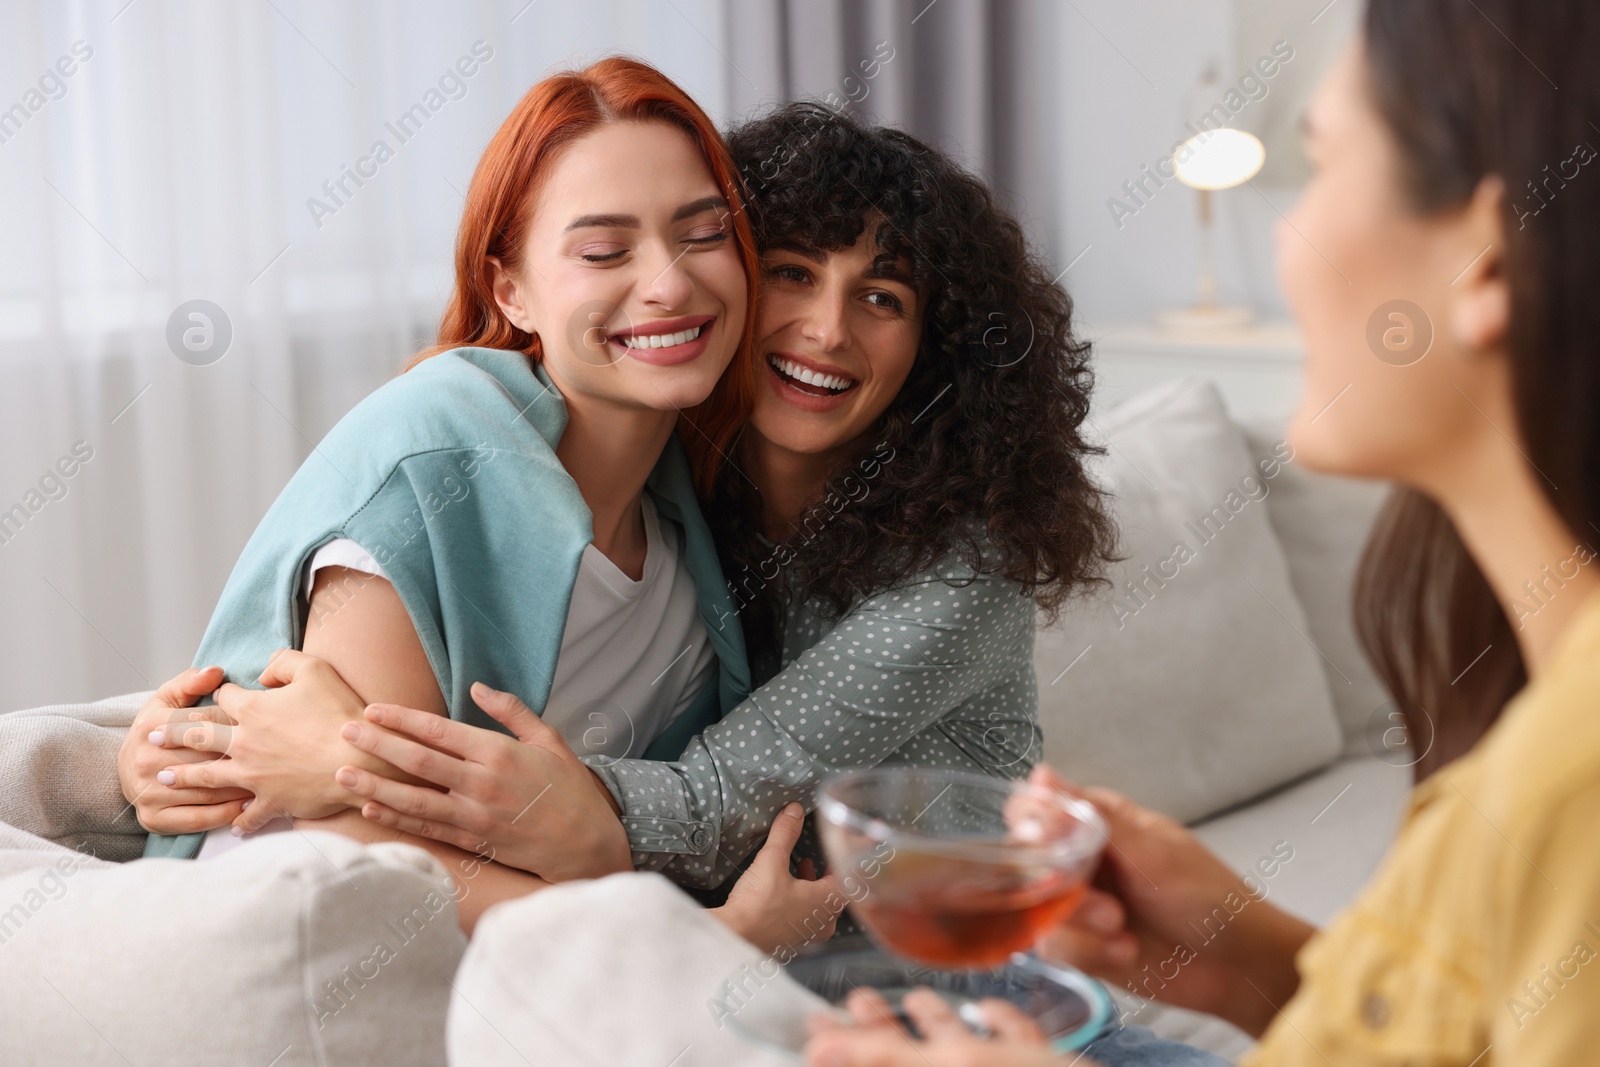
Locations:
(516, 510)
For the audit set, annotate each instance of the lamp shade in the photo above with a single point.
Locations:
(1219, 159)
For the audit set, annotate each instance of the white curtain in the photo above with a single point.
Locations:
(159, 152)
(175, 162)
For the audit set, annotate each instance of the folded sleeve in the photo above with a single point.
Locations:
(935, 656)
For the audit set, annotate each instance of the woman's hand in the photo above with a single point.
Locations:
(1140, 926)
(768, 906)
(282, 744)
(876, 1041)
(169, 808)
(526, 800)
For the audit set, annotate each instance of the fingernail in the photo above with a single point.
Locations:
(246, 804)
(1100, 917)
(166, 777)
(158, 737)
(346, 777)
(236, 831)
(350, 731)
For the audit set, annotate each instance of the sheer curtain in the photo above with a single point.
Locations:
(299, 167)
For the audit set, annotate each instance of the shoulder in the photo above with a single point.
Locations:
(468, 374)
(955, 597)
(959, 580)
(1545, 749)
(475, 424)
(462, 399)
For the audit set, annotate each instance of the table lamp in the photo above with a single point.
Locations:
(1213, 160)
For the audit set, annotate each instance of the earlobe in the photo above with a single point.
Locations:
(1481, 316)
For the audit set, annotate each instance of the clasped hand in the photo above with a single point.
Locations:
(263, 753)
(307, 747)
(526, 801)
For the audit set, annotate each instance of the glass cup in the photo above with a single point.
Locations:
(956, 870)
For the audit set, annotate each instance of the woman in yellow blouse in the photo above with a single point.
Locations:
(1445, 267)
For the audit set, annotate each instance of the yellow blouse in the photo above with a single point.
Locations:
(1478, 941)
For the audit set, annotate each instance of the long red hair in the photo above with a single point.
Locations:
(554, 113)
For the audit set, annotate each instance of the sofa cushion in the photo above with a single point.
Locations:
(58, 776)
(1190, 684)
(297, 949)
(1329, 830)
(1322, 524)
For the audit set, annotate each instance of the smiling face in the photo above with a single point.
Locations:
(630, 278)
(836, 335)
(1404, 312)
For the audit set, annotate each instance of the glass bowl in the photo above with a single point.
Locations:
(952, 869)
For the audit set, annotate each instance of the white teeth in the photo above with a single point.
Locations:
(661, 340)
(810, 377)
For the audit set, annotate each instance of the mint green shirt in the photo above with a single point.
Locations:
(448, 476)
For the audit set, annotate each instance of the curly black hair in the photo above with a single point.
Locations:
(981, 456)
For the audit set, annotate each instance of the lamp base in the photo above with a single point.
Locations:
(1206, 316)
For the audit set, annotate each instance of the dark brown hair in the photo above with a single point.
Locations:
(981, 456)
(1469, 90)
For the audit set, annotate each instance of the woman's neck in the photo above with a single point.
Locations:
(610, 451)
(1540, 571)
(788, 481)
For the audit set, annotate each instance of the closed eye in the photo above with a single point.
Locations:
(606, 258)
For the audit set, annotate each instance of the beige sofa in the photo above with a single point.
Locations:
(1221, 684)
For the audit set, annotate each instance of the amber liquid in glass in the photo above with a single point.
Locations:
(964, 914)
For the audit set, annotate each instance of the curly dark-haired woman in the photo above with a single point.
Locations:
(908, 495)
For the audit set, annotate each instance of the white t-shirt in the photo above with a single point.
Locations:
(633, 655)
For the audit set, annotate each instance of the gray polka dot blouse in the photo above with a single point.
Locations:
(936, 673)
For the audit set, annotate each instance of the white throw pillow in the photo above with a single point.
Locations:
(625, 969)
(1191, 684)
(297, 949)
